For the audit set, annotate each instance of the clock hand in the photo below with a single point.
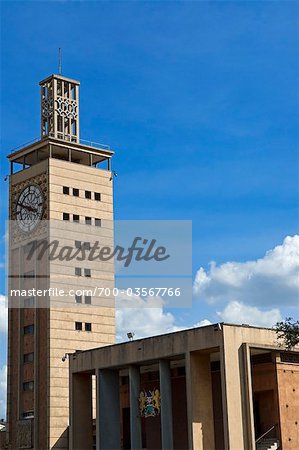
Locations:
(29, 208)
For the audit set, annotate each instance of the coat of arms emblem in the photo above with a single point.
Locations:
(149, 403)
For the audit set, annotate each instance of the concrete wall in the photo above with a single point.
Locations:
(63, 338)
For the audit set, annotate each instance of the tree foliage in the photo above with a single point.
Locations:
(288, 332)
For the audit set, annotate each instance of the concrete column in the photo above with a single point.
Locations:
(135, 420)
(166, 405)
(108, 410)
(248, 395)
(81, 411)
(234, 377)
(200, 401)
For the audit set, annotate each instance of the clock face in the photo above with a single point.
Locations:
(29, 207)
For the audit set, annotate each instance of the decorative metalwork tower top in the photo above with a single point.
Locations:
(60, 108)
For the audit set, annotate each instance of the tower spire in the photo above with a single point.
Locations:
(59, 61)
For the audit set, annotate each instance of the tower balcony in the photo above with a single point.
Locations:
(83, 152)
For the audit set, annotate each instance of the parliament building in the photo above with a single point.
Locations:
(70, 386)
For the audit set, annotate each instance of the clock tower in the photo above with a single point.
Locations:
(60, 200)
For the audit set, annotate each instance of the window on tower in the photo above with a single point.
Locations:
(78, 298)
(78, 271)
(78, 326)
(28, 415)
(28, 357)
(87, 272)
(66, 190)
(74, 127)
(76, 218)
(78, 244)
(66, 216)
(88, 220)
(86, 245)
(98, 222)
(97, 196)
(59, 124)
(87, 299)
(28, 386)
(73, 91)
(76, 192)
(88, 194)
(29, 329)
(88, 326)
(59, 90)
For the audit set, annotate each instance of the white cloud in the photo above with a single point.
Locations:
(271, 280)
(239, 313)
(3, 314)
(145, 317)
(3, 375)
(202, 323)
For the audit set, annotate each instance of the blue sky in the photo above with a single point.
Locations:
(199, 100)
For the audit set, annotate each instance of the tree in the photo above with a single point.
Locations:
(288, 332)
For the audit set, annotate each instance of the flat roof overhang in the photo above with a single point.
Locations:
(80, 151)
(146, 351)
(59, 77)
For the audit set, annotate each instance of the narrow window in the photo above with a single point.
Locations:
(88, 194)
(76, 192)
(97, 196)
(88, 220)
(59, 124)
(59, 87)
(78, 298)
(28, 415)
(88, 299)
(74, 128)
(66, 190)
(88, 326)
(87, 272)
(29, 329)
(86, 245)
(66, 216)
(78, 326)
(78, 244)
(78, 271)
(28, 357)
(76, 218)
(73, 92)
(28, 386)
(98, 222)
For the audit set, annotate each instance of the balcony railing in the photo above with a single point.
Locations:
(66, 138)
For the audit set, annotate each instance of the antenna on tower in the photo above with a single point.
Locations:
(59, 61)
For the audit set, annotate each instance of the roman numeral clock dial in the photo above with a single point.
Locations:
(29, 208)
